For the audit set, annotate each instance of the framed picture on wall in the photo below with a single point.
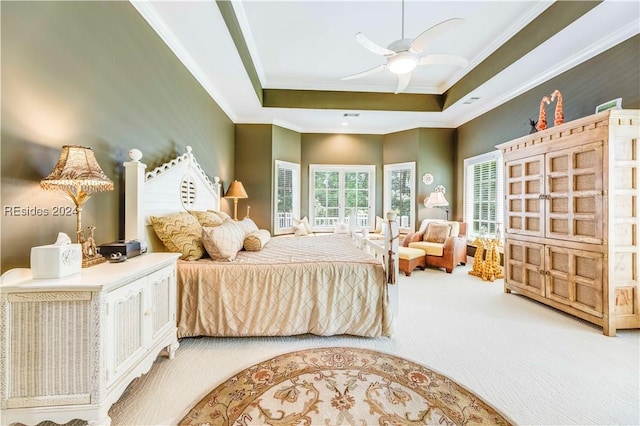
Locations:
(613, 104)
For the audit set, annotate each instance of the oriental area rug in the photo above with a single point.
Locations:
(341, 386)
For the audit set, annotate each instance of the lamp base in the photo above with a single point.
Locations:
(93, 261)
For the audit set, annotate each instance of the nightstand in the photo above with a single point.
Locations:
(70, 346)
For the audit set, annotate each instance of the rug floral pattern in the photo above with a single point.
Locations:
(340, 386)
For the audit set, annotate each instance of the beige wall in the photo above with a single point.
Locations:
(319, 148)
(96, 74)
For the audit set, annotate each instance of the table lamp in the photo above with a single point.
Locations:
(78, 174)
(235, 191)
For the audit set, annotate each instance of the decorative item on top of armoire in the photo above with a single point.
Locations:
(558, 117)
(542, 115)
(78, 174)
(532, 126)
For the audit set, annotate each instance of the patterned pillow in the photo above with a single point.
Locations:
(180, 233)
(256, 240)
(223, 242)
(247, 226)
(437, 232)
(221, 214)
(207, 218)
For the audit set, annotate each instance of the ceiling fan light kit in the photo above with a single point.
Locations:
(402, 62)
(404, 55)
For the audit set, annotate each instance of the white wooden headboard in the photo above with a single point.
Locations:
(177, 185)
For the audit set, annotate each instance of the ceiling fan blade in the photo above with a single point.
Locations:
(365, 73)
(420, 43)
(403, 82)
(443, 58)
(369, 45)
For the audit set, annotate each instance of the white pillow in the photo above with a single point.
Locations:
(300, 230)
(304, 221)
(247, 225)
(340, 228)
(223, 242)
(381, 225)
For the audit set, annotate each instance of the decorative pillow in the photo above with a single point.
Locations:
(340, 228)
(437, 232)
(256, 240)
(412, 237)
(180, 233)
(300, 230)
(247, 226)
(380, 225)
(305, 222)
(223, 242)
(221, 214)
(207, 218)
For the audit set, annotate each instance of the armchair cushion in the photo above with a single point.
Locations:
(431, 249)
(437, 232)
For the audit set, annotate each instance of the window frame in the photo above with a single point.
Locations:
(295, 191)
(469, 201)
(388, 168)
(343, 215)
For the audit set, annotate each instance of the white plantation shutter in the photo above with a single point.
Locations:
(484, 194)
(286, 196)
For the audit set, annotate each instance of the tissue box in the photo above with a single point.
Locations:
(56, 261)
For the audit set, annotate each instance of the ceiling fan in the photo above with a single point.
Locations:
(404, 55)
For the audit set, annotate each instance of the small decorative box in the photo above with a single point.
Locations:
(56, 261)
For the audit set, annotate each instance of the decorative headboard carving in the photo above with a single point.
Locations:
(177, 185)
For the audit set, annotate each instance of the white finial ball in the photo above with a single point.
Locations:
(135, 154)
(189, 149)
(216, 179)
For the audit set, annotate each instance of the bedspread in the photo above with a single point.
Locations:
(321, 285)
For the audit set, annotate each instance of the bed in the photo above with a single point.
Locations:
(324, 285)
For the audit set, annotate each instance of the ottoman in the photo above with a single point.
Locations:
(410, 259)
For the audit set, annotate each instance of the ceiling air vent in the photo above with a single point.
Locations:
(351, 114)
(471, 100)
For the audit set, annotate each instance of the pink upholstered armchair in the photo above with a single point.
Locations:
(444, 243)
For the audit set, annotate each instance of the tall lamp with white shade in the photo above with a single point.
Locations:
(437, 199)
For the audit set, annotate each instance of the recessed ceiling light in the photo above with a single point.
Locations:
(344, 123)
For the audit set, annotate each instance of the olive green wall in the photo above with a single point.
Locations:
(320, 148)
(433, 151)
(253, 148)
(257, 146)
(612, 74)
(95, 74)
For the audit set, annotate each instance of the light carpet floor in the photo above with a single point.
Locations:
(534, 364)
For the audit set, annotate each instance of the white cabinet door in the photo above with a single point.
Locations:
(161, 313)
(125, 328)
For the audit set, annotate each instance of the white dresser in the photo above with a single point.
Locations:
(71, 346)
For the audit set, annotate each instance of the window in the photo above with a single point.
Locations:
(399, 192)
(484, 194)
(337, 191)
(287, 196)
